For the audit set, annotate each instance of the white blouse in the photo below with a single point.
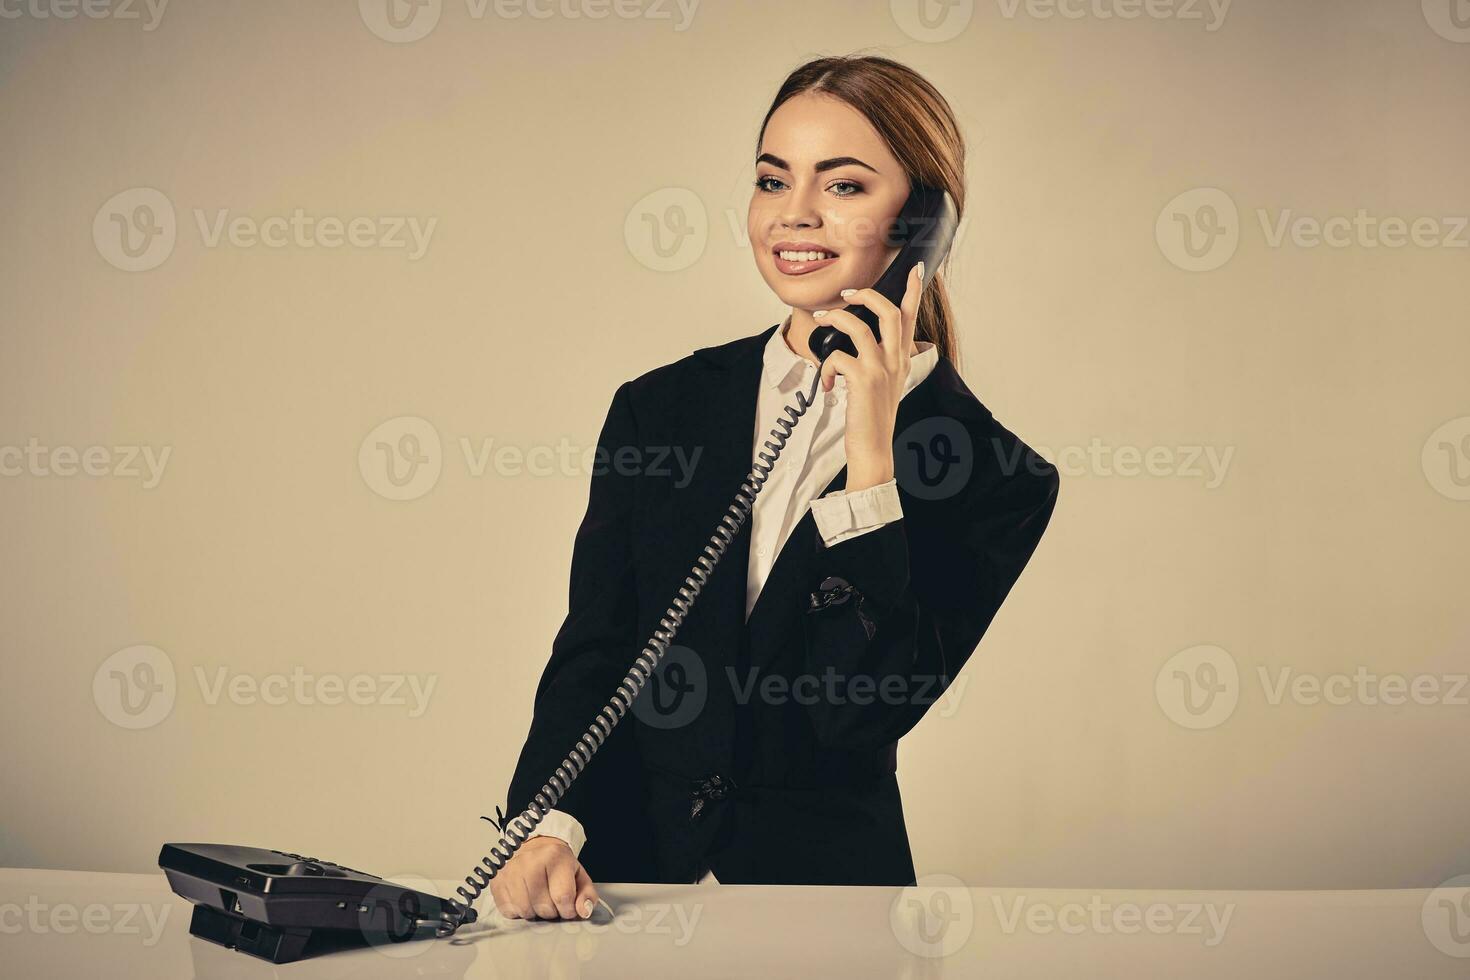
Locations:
(814, 454)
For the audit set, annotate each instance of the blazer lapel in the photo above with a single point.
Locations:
(717, 418)
(784, 594)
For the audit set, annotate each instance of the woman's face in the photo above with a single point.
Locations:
(826, 183)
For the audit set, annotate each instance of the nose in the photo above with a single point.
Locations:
(799, 212)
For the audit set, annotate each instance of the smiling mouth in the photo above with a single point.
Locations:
(798, 261)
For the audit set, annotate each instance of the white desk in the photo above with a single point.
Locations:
(77, 924)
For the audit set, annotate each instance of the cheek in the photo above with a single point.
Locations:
(757, 220)
(861, 242)
(866, 262)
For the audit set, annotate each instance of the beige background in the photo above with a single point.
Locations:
(1333, 541)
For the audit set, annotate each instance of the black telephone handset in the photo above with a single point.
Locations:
(281, 906)
(922, 232)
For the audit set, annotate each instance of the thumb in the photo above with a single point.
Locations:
(829, 370)
(586, 894)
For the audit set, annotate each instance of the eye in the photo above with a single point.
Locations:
(845, 188)
(769, 184)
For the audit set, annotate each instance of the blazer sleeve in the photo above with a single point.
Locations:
(596, 643)
(895, 640)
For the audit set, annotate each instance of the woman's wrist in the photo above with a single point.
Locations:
(869, 472)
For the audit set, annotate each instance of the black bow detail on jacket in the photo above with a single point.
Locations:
(710, 788)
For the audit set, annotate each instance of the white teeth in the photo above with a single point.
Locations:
(805, 256)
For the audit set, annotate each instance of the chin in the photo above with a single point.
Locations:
(811, 300)
(814, 291)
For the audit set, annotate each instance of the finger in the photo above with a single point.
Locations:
(837, 362)
(517, 897)
(540, 891)
(848, 323)
(561, 876)
(889, 317)
(499, 897)
(586, 894)
(913, 296)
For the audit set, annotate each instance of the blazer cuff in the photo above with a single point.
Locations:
(564, 827)
(843, 514)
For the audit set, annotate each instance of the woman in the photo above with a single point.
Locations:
(764, 750)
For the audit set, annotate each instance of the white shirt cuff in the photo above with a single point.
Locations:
(564, 827)
(841, 514)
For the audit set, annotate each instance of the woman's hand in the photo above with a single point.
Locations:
(543, 881)
(875, 378)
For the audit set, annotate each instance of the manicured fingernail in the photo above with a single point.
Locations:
(820, 313)
(587, 909)
(920, 267)
(846, 293)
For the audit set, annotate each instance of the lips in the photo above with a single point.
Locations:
(800, 258)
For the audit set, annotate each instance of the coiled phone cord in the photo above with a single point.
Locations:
(516, 831)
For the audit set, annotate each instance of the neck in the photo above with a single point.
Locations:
(798, 329)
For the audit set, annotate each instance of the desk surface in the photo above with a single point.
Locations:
(79, 924)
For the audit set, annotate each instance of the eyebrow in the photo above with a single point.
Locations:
(822, 165)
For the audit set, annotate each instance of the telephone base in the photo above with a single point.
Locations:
(279, 945)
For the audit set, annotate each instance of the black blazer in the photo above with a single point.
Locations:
(799, 710)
